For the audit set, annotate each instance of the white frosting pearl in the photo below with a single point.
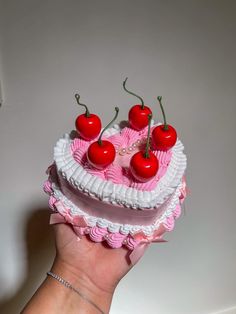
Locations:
(122, 151)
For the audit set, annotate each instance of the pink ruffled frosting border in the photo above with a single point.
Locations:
(61, 214)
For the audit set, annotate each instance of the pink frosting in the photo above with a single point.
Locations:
(47, 187)
(52, 201)
(80, 157)
(96, 234)
(131, 243)
(169, 223)
(78, 144)
(164, 160)
(78, 149)
(129, 136)
(177, 211)
(118, 172)
(117, 140)
(115, 173)
(115, 240)
(147, 186)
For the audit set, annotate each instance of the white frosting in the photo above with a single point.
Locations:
(114, 193)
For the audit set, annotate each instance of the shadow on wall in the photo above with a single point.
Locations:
(40, 252)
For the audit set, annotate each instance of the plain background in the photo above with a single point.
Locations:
(182, 50)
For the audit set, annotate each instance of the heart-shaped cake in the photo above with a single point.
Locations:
(110, 204)
(123, 185)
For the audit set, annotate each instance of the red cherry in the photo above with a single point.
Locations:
(88, 125)
(138, 117)
(144, 168)
(163, 136)
(164, 139)
(102, 153)
(101, 156)
(144, 164)
(138, 114)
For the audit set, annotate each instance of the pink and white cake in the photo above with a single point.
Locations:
(110, 204)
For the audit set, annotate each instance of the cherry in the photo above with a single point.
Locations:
(144, 164)
(144, 168)
(88, 125)
(138, 114)
(164, 136)
(102, 153)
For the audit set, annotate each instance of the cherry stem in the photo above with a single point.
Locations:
(109, 124)
(146, 154)
(159, 98)
(124, 83)
(87, 113)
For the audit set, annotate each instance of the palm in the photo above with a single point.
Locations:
(102, 265)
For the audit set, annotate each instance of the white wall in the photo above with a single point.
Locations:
(1, 39)
(183, 50)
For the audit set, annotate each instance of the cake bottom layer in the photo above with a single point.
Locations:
(135, 237)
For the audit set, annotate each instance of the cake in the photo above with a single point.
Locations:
(110, 204)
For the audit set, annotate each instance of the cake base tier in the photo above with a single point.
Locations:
(98, 229)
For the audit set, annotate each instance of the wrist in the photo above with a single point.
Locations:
(84, 284)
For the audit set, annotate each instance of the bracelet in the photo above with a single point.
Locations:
(69, 286)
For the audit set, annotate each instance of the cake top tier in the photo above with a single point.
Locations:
(115, 184)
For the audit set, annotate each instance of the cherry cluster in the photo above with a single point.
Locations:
(101, 153)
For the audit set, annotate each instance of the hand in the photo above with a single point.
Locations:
(103, 266)
(94, 269)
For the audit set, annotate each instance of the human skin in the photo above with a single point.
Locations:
(92, 268)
